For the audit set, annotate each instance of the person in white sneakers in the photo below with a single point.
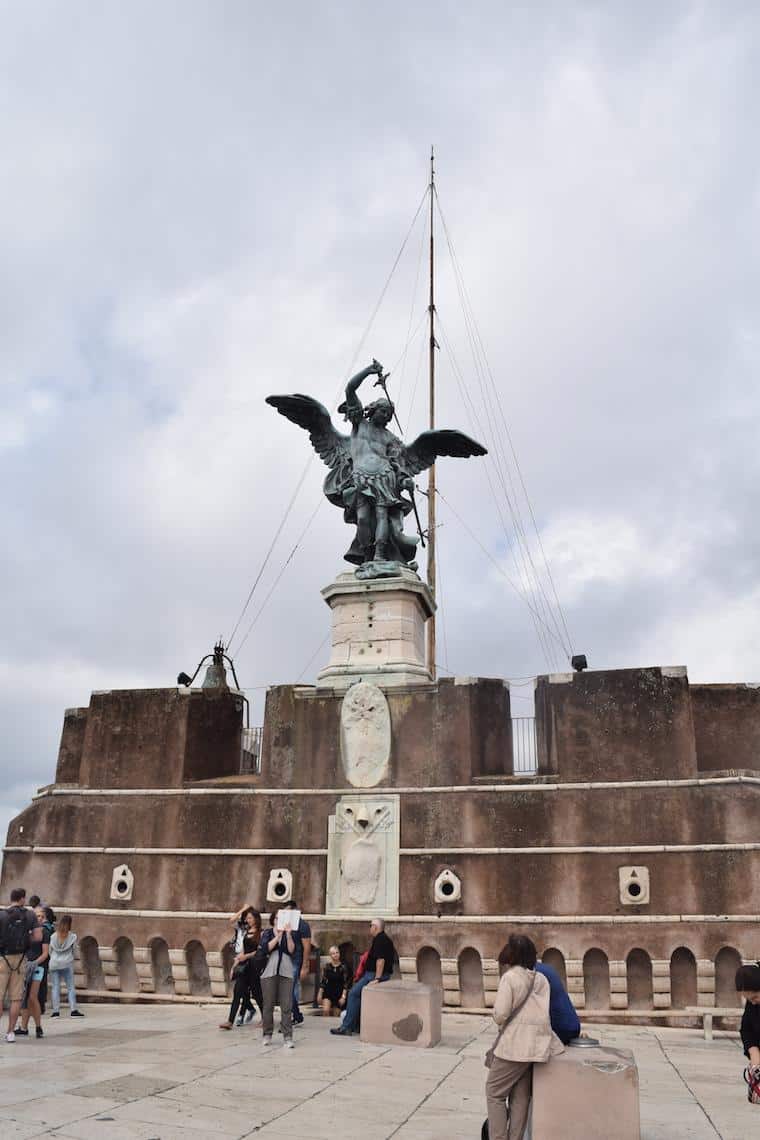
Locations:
(16, 925)
(62, 946)
(277, 981)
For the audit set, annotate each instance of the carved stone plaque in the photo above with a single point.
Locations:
(363, 856)
(365, 735)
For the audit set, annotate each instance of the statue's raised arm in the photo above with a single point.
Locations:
(371, 471)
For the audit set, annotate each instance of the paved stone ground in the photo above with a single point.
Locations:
(168, 1073)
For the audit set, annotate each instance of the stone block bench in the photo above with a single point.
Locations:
(401, 1013)
(708, 1012)
(587, 1094)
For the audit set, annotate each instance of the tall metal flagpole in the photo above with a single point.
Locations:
(431, 474)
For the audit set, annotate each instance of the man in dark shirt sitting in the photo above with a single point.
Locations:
(379, 968)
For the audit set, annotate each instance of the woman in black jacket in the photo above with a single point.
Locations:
(245, 974)
(748, 984)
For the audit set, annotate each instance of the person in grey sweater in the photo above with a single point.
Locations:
(62, 945)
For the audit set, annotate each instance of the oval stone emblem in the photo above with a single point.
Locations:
(365, 735)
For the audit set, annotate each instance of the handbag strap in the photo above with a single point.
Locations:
(514, 1012)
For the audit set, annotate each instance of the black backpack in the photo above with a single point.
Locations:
(14, 931)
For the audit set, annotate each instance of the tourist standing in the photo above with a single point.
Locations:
(521, 1010)
(16, 925)
(244, 973)
(378, 968)
(36, 960)
(61, 966)
(277, 981)
(302, 938)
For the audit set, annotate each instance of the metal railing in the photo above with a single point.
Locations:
(524, 759)
(250, 751)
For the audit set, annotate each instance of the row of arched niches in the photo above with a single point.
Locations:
(594, 982)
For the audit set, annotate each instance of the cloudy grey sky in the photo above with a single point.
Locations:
(200, 204)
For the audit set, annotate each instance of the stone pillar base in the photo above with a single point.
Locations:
(378, 631)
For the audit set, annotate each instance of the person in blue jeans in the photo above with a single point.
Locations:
(62, 945)
(302, 939)
(378, 969)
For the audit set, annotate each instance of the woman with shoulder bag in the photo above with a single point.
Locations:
(244, 973)
(521, 1010)
(748, 985)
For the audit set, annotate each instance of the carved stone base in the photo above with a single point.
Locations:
(378, 631)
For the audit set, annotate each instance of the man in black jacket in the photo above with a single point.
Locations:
(378, 969)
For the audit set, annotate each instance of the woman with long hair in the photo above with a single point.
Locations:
(244, 974)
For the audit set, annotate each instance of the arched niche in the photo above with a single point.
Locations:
(556, 959)
(429, 967)
(160, 964)
(596, 979)
(198, 978)
(470, 969)
(125, 965)
(91, 964)
(727, 962)
(683, 978)
(638, 972)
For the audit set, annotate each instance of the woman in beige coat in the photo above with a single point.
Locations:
(527, 1039)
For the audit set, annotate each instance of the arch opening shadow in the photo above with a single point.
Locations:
(163, 979)
(125, 965)
(727, 962)
(198, 977)
(556, 959)
(683, 978)
(596, 979)
(91, 964)
(429, 967)
(638, 972)
(471, 988)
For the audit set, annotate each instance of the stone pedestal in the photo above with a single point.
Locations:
(586, 1094)
(378, 631)
(401, 1013)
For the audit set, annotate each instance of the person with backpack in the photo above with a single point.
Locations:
(16, 925)
(62, 946)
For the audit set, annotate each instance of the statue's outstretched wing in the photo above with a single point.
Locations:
(428, 446)
(332, 447)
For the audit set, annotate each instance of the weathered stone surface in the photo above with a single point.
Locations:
(401, 1013)
(446, 733)
(363, 856)
(137, 738)
(615, 724)
(586, 1094)
(378, 630)
(365, 735)
(726, 726)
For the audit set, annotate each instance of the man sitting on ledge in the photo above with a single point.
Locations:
(379, 968)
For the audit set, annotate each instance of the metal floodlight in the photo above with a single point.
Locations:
(579, 662)
(183, 679)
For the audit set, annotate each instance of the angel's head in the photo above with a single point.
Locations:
(380, 412)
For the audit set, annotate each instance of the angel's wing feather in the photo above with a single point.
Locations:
(332, 447)
(428, 446)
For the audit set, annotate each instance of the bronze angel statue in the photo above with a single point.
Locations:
(370, 469)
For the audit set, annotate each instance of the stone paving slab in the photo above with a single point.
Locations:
(142, 1073)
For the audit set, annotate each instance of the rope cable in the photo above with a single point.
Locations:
(479, 340)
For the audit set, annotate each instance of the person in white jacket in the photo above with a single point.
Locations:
(62, 944)
(521, 1010)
